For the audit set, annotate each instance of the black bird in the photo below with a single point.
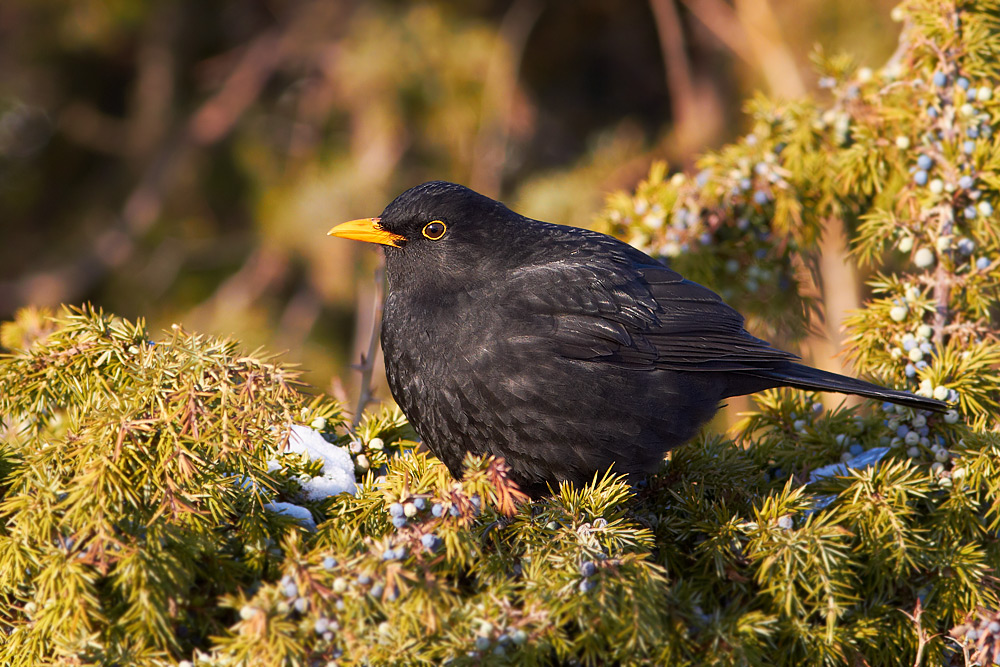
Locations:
(562, 350)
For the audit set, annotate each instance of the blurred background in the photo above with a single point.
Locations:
(182, 160)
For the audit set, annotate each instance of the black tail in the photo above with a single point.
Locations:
(804, 377)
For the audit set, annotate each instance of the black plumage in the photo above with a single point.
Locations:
(561, 349)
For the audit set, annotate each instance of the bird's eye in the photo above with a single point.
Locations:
(434, 230)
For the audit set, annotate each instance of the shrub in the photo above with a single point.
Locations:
(151, 512)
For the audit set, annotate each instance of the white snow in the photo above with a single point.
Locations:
(338, 467)
(294, 511)
(862, 460)
(249, 484)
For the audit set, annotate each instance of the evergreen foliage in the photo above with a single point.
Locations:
(140, 473)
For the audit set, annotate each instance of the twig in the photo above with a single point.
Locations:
(903, 47)
(721, 21)
(499, 93)
(922, 636)
(680, 80)
(217, 116)
(263, 268)
(942, 279)
(367, 365)
(299, 317)
(695, 105)
(773, 54)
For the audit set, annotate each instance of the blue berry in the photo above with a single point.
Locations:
(420, 503)
(745, 184)
(329, 563)
(910, 370)
(453, 510)
(983, 263)
(588, 568)
(388, 554)
(925, 162)
(888, 407)
(921, 365)
(856, 450)
(920, 178)
(932, 112)
(377, 590)
(966, 182)
(902, 430)
(972, 133)
(399, 553)
(963, 83)
(364, 579)
(909, 344)
(969, 147)
(430, 541)
(926, 348)
(399, 521)
(760, 197)
(437, 510)
(969, 212)
(587, 585)
(970, 95)
(476, 502)
(396, 509)
(940, 79)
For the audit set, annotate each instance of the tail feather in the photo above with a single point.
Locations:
(805, 377)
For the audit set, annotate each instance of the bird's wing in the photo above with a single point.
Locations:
(642, 315)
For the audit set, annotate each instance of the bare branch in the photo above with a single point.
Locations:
(367, 365)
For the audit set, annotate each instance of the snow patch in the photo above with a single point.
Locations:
(862, 460)
(338, 467)
(301, 514)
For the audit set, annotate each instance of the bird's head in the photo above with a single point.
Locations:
(439, 231)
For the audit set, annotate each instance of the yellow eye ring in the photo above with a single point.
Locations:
(434, 230)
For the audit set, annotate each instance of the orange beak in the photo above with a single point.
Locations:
(368, 230)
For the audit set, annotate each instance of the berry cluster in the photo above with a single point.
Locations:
(950, 172)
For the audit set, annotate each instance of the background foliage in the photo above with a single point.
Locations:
(147, 505)
(180, 161)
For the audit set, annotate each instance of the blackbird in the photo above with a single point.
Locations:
(562, 350)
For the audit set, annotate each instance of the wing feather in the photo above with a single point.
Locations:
(607, 306)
